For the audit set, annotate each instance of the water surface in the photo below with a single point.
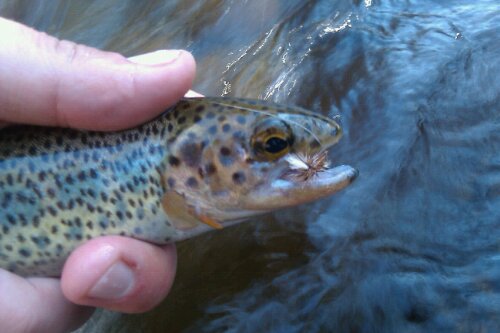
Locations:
(413, 245)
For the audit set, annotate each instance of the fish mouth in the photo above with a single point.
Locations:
(301, 182)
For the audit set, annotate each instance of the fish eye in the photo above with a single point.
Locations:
(275, 145)
(272, 139)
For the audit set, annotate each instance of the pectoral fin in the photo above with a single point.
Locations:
(209, 221)
(183, 215)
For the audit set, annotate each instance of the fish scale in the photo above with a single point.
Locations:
(198, 166)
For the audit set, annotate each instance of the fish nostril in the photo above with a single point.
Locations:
(336, 131)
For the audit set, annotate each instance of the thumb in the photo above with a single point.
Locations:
(46, 81)
(37, 305)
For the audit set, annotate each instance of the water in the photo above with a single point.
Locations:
(413, 245)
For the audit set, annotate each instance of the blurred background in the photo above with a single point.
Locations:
(414, 244)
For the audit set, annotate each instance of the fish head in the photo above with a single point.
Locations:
(243, 158)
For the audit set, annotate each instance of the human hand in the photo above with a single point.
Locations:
(46, 81)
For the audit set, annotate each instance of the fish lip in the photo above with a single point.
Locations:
(282, 193)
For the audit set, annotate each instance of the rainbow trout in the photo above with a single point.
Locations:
(203, 164)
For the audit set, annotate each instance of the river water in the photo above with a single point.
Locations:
(414, 244)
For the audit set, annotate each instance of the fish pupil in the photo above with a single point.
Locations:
(275, 145)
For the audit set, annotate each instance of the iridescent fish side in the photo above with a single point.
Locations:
(203, 164)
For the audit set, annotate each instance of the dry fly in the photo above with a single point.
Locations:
(305, 166)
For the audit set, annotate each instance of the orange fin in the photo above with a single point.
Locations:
(183, 215)
(210, 222)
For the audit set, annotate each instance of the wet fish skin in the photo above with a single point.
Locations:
(203, 164)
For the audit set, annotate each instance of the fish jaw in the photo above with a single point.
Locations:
(288, 192)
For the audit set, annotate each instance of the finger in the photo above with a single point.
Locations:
(119, 273)
(47, 81)
(37, 305)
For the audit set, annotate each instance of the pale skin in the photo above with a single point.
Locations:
(46, 81)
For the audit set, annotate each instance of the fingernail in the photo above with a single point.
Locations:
(157, 58)
(115, 283)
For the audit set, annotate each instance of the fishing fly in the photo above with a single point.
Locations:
(305, 166)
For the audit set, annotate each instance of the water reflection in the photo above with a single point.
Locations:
(413, 245)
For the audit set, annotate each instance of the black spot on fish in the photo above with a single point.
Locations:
(199, 108)
(52, 211)
(191, 154)
(224, 151)
(226, 128)
(171, 182)
(192, 182)
(23, 220)
(239, 177)
(90, 208)
(41, 176)
(69, 180)
(81, 176)
(36, 221)
(225, 157)
(10, 179)
(91, 193)
(181, 120)
(174, 161)
(95, 156)
(93, 173)
(25, 253)
(212, 130)
(11, 219)
(241, 120)
(32, 150)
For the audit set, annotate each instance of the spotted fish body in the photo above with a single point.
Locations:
(212, 161)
